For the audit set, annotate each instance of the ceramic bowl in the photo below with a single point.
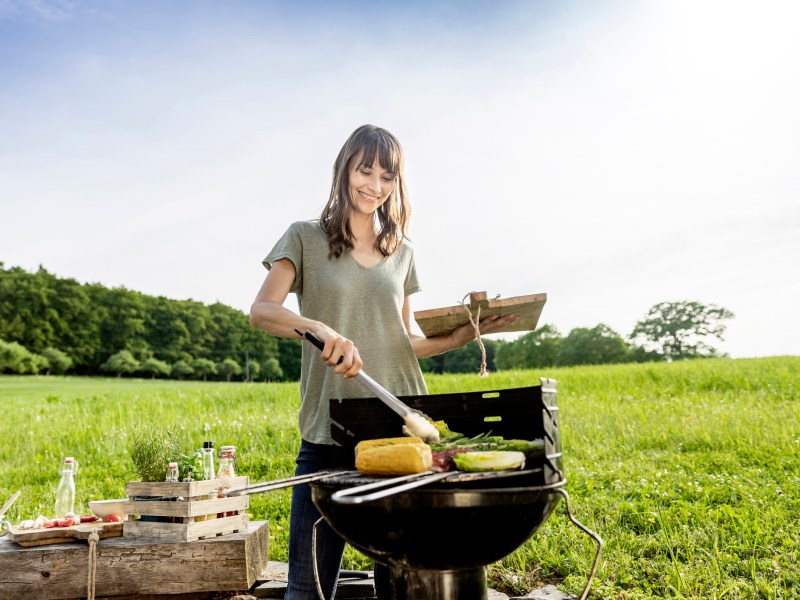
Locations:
(104, 508)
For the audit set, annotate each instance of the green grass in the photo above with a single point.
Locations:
(690, 471)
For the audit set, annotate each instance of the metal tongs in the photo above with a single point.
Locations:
(416, 422)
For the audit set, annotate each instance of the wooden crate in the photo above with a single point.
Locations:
(188, 511)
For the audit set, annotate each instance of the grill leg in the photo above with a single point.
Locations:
(413, 584)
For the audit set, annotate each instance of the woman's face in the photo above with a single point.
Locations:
(370, 185)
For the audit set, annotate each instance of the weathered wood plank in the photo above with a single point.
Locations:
(128, 567)
(184, 532)
(190, 489)
(190, 508)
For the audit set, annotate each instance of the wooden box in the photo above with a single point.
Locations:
(183, 512)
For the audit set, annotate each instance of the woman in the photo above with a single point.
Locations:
(353, 273)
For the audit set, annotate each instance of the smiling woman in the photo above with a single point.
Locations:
(353, 272)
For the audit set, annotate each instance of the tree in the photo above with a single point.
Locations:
(253, 369)
(16, 358)
(12, 356)
(538, 348)
(596, 346)
(58, 362)
(155, 368)
(271, 369)
(228, 368)
(677, 330)
(203, 367)
(121, 362)
(181, 369)
(290, 353)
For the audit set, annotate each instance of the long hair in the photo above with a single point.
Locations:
(391, 217)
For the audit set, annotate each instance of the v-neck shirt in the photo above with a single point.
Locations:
(362, 303)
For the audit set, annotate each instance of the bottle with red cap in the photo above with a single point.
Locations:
(227, 468)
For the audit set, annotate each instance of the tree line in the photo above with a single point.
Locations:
(669, 331)
(53, 324)
(56, 325)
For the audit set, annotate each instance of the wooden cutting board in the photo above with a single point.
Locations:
(442, 321)
(60, 535)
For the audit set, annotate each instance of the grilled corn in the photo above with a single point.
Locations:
(393, 441)
(396, 459)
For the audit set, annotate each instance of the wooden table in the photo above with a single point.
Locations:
(135, 567)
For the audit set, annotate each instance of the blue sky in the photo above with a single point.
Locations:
(610, 154)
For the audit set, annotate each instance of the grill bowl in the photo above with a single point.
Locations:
(438, 528)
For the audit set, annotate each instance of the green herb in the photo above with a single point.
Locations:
(151, 449)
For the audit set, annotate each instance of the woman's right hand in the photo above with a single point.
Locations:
(337, 347)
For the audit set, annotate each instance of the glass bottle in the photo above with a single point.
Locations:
(227, 462)
(172, 477)
(208, 460)
(172, 473)
(227, 468)
(65, 492)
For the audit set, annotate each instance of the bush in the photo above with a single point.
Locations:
(58, 362)
(121, 362)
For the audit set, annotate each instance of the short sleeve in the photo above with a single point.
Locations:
(289, 246)
(411, 284)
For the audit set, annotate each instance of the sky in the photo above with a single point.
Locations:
(611, 154)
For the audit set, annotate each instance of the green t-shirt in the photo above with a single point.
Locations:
(363, 304)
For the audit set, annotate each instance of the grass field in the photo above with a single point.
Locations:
(690, 471)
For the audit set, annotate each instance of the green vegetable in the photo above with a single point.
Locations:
(150, 450)
(530, 448)
(489, 461)
(486, 443)
(191, 462)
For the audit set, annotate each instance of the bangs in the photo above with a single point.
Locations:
(385, 150)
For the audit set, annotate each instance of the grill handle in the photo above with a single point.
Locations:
(598, 540)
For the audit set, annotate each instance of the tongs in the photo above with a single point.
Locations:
(416, 422)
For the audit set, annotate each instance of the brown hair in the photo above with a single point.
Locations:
(392, 216)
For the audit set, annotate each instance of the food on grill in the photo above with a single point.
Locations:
(484, 443)
(420, 425)
(443, 461)
(493, 460)
(376, 443)
(395, 459)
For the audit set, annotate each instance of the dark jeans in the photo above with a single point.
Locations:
(302, 586)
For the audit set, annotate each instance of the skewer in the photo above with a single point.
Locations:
(277, 484)
(8, 504)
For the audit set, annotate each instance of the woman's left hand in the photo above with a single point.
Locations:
(491, 324)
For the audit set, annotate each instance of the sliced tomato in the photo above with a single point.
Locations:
(49, 524)
(112, 519)
(65, 522)
(88, 518)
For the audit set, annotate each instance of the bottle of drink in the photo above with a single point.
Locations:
(227, 468)
(172, 473)
(208, 460)
(227, 462)
(65, 492)
(172, 477)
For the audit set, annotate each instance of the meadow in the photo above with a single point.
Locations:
(690, 470)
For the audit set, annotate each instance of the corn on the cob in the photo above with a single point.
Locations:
(397, 459)
(367, 444)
